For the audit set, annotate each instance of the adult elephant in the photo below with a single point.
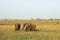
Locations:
(17, 26)
(29, 27)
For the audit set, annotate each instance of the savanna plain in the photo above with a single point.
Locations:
(48, 30)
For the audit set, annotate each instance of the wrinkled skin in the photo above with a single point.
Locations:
(17, 26)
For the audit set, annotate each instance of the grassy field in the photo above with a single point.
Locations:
(48, 30)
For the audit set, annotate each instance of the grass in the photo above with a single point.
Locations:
(37, 22)
(48, 30)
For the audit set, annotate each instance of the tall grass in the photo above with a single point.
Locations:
(48, 30)
(45, 33)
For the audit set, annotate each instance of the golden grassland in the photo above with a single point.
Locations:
(42, 27)
(48, 30)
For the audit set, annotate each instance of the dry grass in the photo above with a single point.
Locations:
(41, 27)
(48, 30)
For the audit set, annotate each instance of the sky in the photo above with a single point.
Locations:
(26, 9)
